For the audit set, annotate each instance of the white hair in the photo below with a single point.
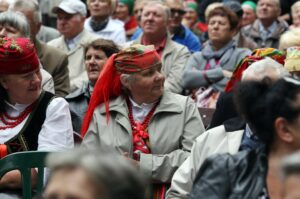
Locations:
(260, 69)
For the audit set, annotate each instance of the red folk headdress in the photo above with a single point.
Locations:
(17, 56)
(131, 60)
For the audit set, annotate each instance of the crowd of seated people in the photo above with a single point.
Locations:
(135, 79)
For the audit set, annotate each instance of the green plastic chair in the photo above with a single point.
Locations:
(24, 162)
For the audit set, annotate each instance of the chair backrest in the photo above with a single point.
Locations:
(24, 162)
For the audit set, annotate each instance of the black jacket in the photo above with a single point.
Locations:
(232, 176)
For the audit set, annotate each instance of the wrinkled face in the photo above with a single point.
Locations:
(219, 30)
(138, 9)
(249, 16)
(99, 8)
(177, 12)
(94, 62)
(69, 25)
(22, 88)
(122, 12)
(296, 16)
(267, 10)
(154, 20)
(147, 86)
(71, 184)
(291, 187)
(191, 16)
(9, 31)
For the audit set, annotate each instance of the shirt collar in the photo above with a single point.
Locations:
(143, 105)
(159, 48)
(74, 41)
(269, 30)
(17, 107)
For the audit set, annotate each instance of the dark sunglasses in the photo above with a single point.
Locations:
(180, 12)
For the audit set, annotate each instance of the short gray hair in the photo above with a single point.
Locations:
(16, 20)
(32, 5)
(261, 67)
(166, 9)
(290, 165)
(119, 178)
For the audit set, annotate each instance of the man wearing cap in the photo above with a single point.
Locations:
(154, 22)
(267, 28)
(70, 23)
(53, 60)
(101, 23)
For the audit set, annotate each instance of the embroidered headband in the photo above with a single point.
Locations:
(17, 56)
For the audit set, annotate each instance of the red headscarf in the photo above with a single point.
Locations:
(17, 56)
(257, 54)
(131, 60)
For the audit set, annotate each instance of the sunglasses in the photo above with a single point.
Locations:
(179, 11)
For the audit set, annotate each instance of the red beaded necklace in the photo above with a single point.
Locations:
(139, 130)
(15, 120)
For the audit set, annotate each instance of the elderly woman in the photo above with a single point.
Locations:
(30, 119)
(124, 12)
(272, 112)
(295, 15)
(249, 12)
(96, 54)
(211, 68)
(131, 112)
(13, 25)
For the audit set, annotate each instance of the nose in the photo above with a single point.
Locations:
(159, 76)
(36, 78)
(92, 60)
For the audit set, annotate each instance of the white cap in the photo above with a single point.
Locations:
(71, 7)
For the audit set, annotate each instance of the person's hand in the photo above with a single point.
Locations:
(227, 73)
(132, 161)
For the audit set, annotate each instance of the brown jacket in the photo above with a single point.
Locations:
(55, 62)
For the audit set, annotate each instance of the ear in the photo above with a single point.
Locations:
(283, 130)
(125, 81)
(3, 83)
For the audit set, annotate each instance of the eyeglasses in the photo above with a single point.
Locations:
(178, 11)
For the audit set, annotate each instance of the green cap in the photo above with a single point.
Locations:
(251, 4)
(192, 5)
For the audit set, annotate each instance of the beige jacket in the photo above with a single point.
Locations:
(174, 58)
(172, 130)
(77, 73)
(213, 141)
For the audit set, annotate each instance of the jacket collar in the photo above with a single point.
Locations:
(281, 26)
(84, 90)
(166, 104)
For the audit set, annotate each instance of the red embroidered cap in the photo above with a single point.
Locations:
(17, 56)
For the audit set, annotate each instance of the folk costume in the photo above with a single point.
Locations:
(43, 125)
(158, 135)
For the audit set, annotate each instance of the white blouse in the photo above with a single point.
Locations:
(56, 133)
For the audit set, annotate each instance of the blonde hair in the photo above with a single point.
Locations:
(210, 8)
(294, 7)
(289, 38)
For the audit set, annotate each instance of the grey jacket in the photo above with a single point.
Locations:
(174, 58)
(173, 128)
(78, 104)
(193, 76)
(252, 31)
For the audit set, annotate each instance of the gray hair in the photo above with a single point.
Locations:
(32, 5)
(166, 9)
(119, 178)
(260, 69)
(290, 165)
(16, 20)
